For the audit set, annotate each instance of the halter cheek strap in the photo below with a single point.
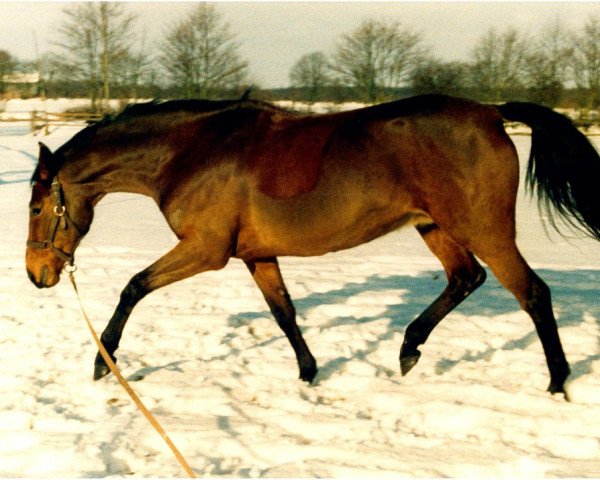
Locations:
(61, 216)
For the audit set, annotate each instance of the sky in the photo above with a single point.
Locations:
(274, 35)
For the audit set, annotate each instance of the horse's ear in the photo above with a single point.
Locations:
(246, 95)
(47, 165)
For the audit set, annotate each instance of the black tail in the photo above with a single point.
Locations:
(564, 166)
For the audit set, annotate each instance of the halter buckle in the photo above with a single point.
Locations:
(59, 210)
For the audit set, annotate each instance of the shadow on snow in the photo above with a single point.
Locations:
(574, 294)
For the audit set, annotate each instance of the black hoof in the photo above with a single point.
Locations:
(558, 377)
(309, 373)
(408, 359)
(555, 388)
(101, 369)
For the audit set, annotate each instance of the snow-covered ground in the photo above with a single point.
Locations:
(210, 362)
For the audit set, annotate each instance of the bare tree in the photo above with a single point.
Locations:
(132, 70)
(115, 36)
(377, 56)
(79, 47)
(312, 74)
(497, 68)
(93, 39)
(586, 61)
(436, 76)
(201, 55)
(547, 66)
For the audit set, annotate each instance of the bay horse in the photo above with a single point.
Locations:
(248, 180)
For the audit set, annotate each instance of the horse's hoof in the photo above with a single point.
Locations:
(101, 369)
(309, 373)
(555, 388)
(408, 360)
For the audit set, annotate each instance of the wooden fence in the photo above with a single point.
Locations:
(44, 122)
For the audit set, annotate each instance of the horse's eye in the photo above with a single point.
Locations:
(35, 211)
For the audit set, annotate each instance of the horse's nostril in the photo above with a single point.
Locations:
(39, 284)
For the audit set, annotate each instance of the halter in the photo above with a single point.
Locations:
(61, 216)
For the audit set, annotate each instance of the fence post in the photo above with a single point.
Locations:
(32, 121)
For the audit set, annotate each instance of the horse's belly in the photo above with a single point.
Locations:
(319, 234)
(348, 208)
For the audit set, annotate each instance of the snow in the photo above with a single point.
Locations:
(209, 361)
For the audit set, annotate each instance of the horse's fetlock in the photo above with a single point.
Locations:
(111, 344)
(413, 337)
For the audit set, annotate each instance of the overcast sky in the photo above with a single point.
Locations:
(274, 35)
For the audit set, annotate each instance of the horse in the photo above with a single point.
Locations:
(248, 180)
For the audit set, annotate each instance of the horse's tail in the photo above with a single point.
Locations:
(564, 167)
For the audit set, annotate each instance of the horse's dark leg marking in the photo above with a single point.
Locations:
(464, 275)
(135, 290)
(534, 297)
(185, 260)
(539, 308)
(268, 277)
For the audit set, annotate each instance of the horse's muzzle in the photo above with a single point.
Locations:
(43, 281)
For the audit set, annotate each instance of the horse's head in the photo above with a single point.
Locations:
(59, 216)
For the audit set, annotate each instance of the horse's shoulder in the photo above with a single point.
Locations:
(288, 153)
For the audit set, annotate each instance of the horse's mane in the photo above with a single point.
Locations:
(158, 106)
(185, 105)
(153, 107)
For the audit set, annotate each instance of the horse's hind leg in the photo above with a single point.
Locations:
(268, 277)
(534, 297)
(464, 275)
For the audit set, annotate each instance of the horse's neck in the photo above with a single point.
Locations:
(132, 170)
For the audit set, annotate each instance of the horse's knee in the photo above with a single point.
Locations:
(137, 287)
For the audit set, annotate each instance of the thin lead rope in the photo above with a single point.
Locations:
(116, 372)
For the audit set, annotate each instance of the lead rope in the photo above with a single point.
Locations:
(116, 372)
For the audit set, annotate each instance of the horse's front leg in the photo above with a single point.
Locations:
(136, 289)
(268, 277)
(182, 262)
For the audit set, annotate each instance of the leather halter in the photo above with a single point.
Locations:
(61, 217)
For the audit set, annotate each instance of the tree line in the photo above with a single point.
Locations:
(379, 61)
(99, 53)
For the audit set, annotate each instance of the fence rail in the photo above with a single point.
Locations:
(44, 122)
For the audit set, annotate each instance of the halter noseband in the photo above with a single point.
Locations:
(60, 216)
